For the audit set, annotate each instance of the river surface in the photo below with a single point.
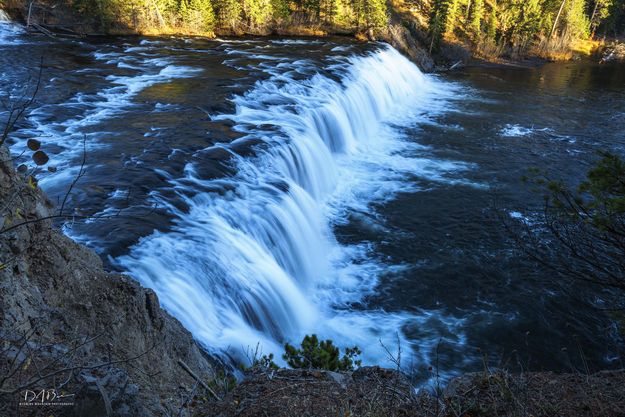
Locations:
(272, 188)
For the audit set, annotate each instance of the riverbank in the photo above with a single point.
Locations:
(406, 35)
(614, 51)
(70, 328)
(376, 392)
(407, 30)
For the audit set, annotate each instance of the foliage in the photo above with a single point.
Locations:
(254, 16)
(320, 355)
(228, 13)
(476, 15)
(264, 362)
(521, 25)
(197, 14)
(257, 13)
(223, 382)
(444, 16)
(585, 226)
(600, 12)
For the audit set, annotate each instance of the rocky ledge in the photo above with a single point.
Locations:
(376, 392)
(69, 326)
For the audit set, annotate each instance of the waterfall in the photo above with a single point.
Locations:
(4, 17)
(254, 258)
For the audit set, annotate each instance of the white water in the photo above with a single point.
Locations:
(93, 109)
(8, 30)
(255, 260)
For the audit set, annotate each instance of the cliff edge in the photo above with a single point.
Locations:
(69, 327)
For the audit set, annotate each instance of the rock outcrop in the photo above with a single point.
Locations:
(614, 52)
(68, 325)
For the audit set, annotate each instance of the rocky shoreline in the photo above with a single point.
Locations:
(613, 52)
(376, 392)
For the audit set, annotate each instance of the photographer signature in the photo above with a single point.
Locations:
(45, 397)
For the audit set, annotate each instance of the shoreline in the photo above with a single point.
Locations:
(403, 32)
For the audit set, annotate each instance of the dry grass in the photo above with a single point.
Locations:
(302, 30)
(587, 47)
(488, 49)
(564, 48)
(375, 392)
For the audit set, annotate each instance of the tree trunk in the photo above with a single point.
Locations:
(161, 21)
(593, 26)
(30, 11)
(555, 23)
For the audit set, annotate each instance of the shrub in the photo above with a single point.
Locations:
(314, 354)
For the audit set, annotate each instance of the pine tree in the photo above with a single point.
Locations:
(338, 12)
(491, 27)
(197, 15)
(575, 20)
(228, 13)
(601, 11)
(312, 8)
(443, 19)
(445, 14)
(281, 10)
(476, 15)
(257, 13)
(375, 14)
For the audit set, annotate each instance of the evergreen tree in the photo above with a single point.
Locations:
(281, 10)
(339, 12)
(491, 27)
(601, 11)
(197, 15)
(445, 14)
(375, 13)
(228, 13)
(476, 15)
(257, 13)
(312, 8)
(615, 22)
(576, 22)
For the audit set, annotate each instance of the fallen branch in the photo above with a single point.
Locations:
(199, 381)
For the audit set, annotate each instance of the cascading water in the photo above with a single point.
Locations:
(8, 29)
(254, 259)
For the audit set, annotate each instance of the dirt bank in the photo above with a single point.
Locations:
(375, 392)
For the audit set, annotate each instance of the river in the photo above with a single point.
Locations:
(268, 188)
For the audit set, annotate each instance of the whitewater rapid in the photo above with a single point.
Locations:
(9, 31)
(253, 260)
